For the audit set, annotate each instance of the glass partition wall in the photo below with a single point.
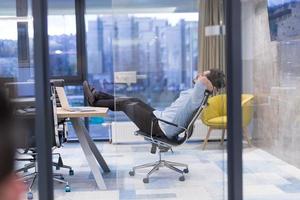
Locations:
(150, 51)
(271, 70)
(17, 81)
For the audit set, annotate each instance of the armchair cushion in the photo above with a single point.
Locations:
(218, 122)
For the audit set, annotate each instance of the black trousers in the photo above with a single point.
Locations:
(140, 113)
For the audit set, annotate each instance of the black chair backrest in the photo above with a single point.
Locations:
(57, 83)
(26, 125)
(194, 117)
(60, 135)
(25, 130)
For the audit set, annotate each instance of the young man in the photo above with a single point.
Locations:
(179, 112)
(11, 188)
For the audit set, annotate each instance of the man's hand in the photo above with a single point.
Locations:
(206, 82)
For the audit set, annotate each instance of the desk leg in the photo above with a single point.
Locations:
(89, 151)
(97, 155)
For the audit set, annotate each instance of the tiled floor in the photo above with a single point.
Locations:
(265, 176)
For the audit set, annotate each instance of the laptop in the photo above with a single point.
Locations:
(65, 103)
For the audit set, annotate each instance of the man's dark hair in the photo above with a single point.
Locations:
(217, 78)
(7, 149)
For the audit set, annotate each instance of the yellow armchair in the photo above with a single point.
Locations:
(215, 115)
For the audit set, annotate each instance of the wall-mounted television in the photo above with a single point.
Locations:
(284, 19)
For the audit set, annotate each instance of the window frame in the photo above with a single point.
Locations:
(81, 63)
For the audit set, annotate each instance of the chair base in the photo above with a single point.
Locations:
(26, 167)
(31, 178)
(58, 167)
(159, 164)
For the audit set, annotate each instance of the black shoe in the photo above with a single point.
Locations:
(88, 93)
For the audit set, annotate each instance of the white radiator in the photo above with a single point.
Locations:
(122, 132)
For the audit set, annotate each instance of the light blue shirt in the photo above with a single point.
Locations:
(180, 111)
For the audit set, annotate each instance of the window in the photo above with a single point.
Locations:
(8, 49)
(162, 48)
(16, 41)
(62, 39)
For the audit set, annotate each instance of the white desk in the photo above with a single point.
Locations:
(92, 154)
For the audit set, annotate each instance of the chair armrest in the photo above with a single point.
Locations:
(170, 123)
(167, 122)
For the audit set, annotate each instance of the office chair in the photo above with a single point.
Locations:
(61, 124)
(62, 134)
(25, 111)
(13, 88)
(27, 142)
(164, 144)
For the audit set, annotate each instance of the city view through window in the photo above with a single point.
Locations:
(162, 48)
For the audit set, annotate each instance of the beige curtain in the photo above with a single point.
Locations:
(211, 48)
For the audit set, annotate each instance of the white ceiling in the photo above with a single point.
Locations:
(8, 7)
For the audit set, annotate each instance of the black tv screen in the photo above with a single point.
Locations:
(284, 19)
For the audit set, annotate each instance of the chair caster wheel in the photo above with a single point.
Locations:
(71, 172)
(182, 178)
(67, 188)
(57, 168)
(186, 170)
(29, 195)
(131, 173)
(62, 178)
(146, 180)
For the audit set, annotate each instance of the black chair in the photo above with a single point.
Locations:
(61, 124)
(61, 132)
(164, 144)
(27, 145)
(25, 141)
